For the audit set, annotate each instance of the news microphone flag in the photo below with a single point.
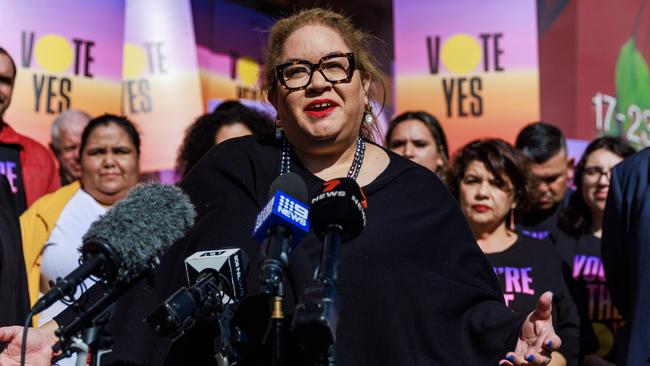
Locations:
(230, 263)
(285, 210)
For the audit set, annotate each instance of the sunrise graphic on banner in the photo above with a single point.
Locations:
(68, 54)
(229, 42)
(161, 87)
(475, 70)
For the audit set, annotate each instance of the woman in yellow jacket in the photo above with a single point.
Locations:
(53, 226)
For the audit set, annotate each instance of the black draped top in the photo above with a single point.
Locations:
(415, 288)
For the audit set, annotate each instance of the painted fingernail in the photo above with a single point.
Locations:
(549, 344)
(530, 358)
(511, 358)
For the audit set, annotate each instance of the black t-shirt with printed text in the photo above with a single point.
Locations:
(526, 270)
(10, 167)
(590, 291)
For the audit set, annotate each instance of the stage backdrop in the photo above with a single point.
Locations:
(68, 54)
(471, 63)
(162, 91)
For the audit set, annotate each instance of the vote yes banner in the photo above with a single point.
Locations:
(162, 90)
(68, 54)
(230, 66)
(470, 63)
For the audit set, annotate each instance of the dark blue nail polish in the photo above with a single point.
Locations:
(511, 358)
(530, 358)
(549, 344)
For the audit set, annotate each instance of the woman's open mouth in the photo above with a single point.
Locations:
(320, 108)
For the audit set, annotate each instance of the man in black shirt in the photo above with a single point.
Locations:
(27, 165)
(14, 299)
(545, 146)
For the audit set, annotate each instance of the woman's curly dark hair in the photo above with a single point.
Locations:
(575, 219)
(502, 160)
(200, 136)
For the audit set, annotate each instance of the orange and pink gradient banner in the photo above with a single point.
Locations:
(162, 88)
(470, 63)
(68, 54)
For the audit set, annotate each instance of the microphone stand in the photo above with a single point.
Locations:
(227, 354)
(277, 327)
(317, 313)
(95, 339)
(92, 321)
(271, 275)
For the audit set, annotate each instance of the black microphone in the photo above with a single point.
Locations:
(337, 215)
(128, 239)
(281, 224)
(216, 277)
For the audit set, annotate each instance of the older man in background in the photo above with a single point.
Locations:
(66, 138)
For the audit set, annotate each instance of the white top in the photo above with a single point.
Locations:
(61, 254)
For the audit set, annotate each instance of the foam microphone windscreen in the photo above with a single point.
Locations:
(138, 230)
(339, 202)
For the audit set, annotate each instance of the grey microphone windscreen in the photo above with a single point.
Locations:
(141, 227)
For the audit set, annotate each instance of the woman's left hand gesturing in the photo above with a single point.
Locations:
(537, 339)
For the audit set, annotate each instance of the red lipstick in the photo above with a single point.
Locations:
(320, 108)
(480, 208)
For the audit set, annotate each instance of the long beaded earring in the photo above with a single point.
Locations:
(278, 129)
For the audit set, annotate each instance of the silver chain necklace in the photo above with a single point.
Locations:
(353, 172)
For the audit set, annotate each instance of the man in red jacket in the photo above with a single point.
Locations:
(28, 166)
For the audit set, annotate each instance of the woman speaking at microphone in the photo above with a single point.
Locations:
(415, 288)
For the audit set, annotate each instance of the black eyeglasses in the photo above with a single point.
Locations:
(336, 68)
(596, 172)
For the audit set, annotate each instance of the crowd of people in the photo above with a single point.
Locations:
(454, 266)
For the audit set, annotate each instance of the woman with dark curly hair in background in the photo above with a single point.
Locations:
(232, 120)
(490, 181)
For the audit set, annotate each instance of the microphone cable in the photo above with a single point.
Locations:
(23, 346)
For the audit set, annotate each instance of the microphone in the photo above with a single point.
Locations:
(128, 239)
(338, 215)
(216, 277)
(281, 224)
(339, 205)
